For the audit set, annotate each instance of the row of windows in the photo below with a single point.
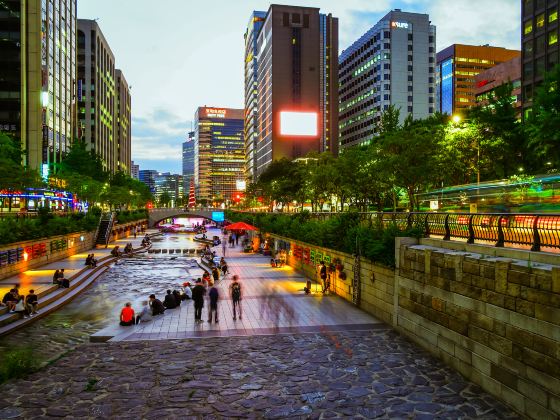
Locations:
(538, 44)
(539, 21)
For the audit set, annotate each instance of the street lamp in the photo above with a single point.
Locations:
(456, 119)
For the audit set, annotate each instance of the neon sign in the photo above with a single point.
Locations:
(401, 25)
(215, 113)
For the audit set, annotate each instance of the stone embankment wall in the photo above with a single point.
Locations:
(494, 319)
(44, 251)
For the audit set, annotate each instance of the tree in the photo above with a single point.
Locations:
(389, 122)
(164, 199)
(544, 125)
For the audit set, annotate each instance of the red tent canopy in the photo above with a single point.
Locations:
(241, 226)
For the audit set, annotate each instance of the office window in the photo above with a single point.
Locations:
(409, 109)
(528, 70)
(410, 88)
(552, 60)
(431, 60)
(410, 48)
(431, 39)
(410, 77)
(386, 77)
(540, 4)
(410, 37)
(431, 110)
(385, 97)
(431, 99)
(540, 21)
(386, 34)
(540, 44)
(431, 70)
(552, 15)
(409, 58)
(528, 27)
(410, 99)
(528, 48)
(409, 68)
(387, 46)
(528, 92)
(553, 37)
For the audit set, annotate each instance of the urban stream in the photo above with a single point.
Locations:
(128, 280)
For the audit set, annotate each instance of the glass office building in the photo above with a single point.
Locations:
(219, 150)
(38, 77)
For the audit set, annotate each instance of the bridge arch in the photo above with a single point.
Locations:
(157, 215)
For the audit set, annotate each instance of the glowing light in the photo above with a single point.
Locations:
(240, 185)
(215, 113)
(456, 119)
(25, 256)
(45, 99)
(299, 124)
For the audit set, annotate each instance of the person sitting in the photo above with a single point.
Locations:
(187, 291)
(115, 252)
(146, 314)
(93, 261)
(157, 306)
(65, 283)
(10, 300)
(273, 263)
(31, 302)
(128, 249)
(127, 315)
(20, 307)
(56, 276)
(177, 297)
(169, 301)
(206, 278)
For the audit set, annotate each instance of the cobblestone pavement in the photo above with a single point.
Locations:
(369, 374)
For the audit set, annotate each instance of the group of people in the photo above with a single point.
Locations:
(91, 262)
(60, 280)
(18, 303)
(146, 241)
(127, 251)
(173, 299)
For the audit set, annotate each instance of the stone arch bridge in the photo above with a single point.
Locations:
(157, 215)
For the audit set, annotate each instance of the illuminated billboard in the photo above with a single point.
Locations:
(299, 124)
(218, 216)
(215, 113)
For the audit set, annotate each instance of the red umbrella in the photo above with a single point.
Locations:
(241, 226)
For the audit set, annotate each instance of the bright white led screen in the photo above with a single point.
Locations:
(298, 123)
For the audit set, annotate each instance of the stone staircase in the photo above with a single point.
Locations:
(104, 229)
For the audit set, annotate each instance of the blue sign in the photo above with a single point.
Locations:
(218, 216)
(79, 89)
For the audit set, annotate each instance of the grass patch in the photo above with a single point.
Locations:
(17, 363)
(90, 386)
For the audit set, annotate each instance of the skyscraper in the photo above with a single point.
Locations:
(123, 134)
(457, 66)
(296, 85)
(97, 94)
(393, 63)
(251, 92)
(219, 151)
(134, 170)
(540, 46)
(38, 76)
(148, 177)
(188, 159)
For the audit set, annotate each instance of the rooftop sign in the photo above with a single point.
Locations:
(215, 113)
(401, 25)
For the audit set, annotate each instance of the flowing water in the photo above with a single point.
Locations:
(128, 280)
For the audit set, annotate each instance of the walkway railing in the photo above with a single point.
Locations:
(503, 229)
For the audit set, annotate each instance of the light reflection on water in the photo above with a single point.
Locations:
(129, 280)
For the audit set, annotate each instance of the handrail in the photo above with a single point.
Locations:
(536, 230)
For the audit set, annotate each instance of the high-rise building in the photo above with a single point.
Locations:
(123, 134)
(219, 151)
(296, 85)
(540, 46)
(188, 160)
(457, 66)
(393, 63)
(173, 185)
(97, 94)
(251, 92)
(506, 72)
(134, 170)
(38, 76)
(148, 177)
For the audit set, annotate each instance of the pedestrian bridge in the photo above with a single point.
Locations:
(157, 215)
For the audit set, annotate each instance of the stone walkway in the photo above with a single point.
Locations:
(360, 374)
(273, 302)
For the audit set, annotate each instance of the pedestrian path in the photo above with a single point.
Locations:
(273, 302)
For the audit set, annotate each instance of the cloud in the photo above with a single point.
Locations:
(157, 140)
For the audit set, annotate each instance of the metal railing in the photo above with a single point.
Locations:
(502, 229)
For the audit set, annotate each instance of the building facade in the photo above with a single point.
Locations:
(97, 94)
(172, 185)
(485, 83)
(251, 92)
(393, 63)
(148, 177)
(457, 67)
(188, 160)
(123, 132)
(219, 153)
(296, 85)
(134, 170)
(540, 47)
(38, 77)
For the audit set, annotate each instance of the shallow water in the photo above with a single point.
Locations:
(128, 280)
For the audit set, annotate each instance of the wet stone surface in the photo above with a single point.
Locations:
(281, 376)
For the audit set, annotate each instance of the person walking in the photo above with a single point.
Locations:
(224, 246)
(214, 295)
(323, 275)
(198, 293)
(236, 296)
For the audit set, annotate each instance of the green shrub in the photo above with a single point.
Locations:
(17, 363)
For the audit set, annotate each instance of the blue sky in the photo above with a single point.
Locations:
(181, 54)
